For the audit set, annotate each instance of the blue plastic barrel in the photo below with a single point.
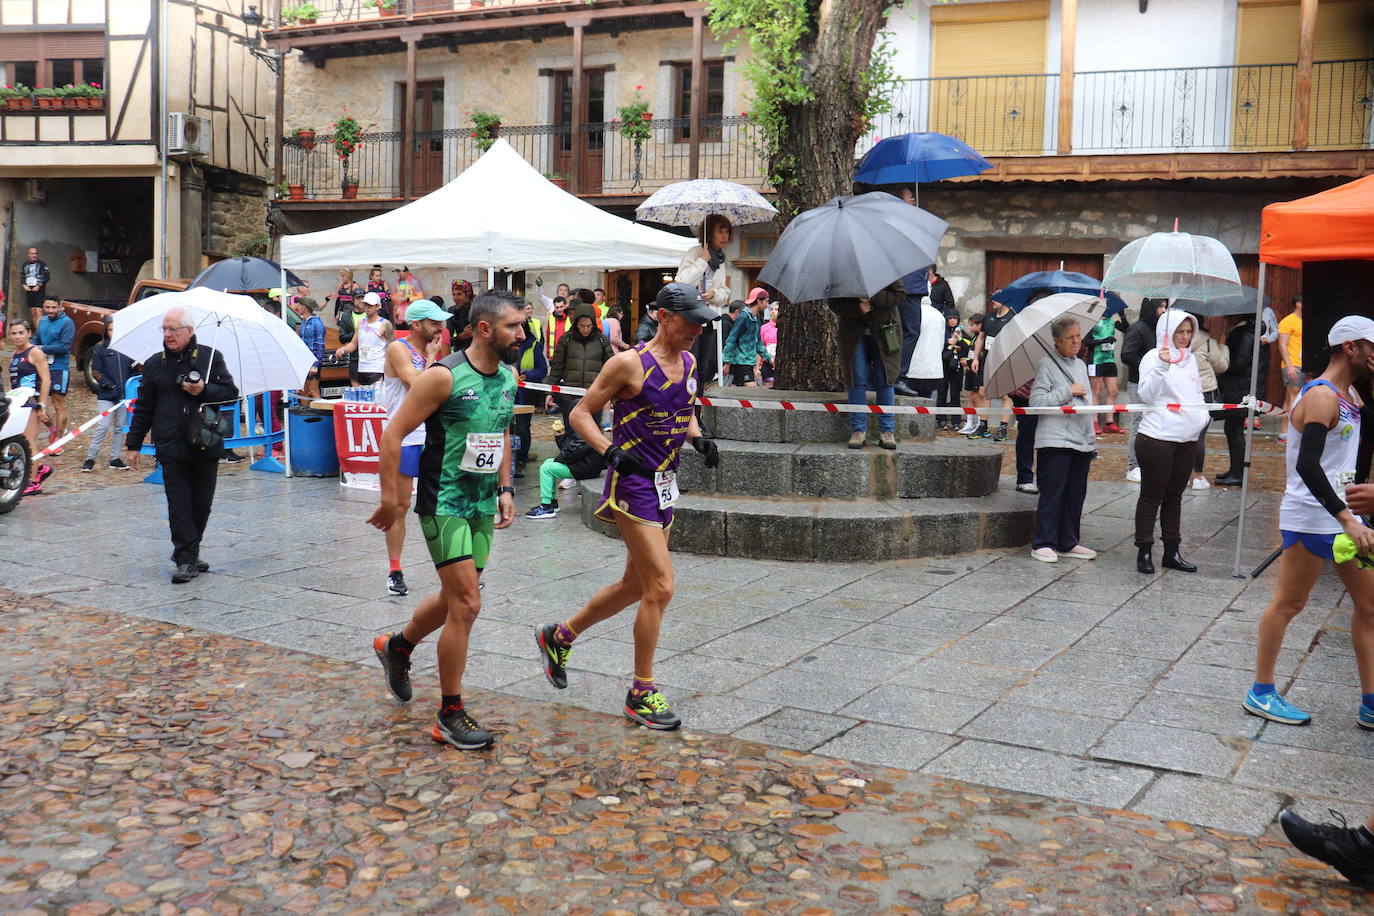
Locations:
(312, 443)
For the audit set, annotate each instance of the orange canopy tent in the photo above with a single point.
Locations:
(1333, 225)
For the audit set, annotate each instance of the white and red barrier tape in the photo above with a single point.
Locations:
(52, 448)
(1261, 407)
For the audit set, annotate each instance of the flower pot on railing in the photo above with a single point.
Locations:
(350, 191)
(559, 182)
(297, 191)
(306, 138)
(49, 102)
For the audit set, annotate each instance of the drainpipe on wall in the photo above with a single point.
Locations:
(164, 266)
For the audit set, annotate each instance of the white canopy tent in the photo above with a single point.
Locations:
(499, 214)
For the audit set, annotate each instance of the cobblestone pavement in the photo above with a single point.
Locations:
(1081, 682)
(150, 767)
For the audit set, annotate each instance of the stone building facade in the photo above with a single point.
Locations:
(988, 221)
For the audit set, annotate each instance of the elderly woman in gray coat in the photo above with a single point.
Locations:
(1064, 445)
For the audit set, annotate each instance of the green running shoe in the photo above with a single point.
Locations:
(651, 710)
(555, 657)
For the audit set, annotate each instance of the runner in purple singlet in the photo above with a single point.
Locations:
(654, 391)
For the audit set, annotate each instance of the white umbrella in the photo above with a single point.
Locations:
(1016, 351)
(1174, 264)
(261, 352)
(687, 203)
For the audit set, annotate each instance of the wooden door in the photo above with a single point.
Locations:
(592, 138)
(427, 155)
(622, 288)
(1005, 266)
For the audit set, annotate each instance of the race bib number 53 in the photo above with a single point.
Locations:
(665, 483)
(483, 453)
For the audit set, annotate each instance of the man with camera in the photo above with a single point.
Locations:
(177, 383)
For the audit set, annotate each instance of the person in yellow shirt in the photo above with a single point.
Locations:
(1290, 351)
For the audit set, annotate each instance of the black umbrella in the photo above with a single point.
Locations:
(1242, 303)
(240, 274)
(851, 247)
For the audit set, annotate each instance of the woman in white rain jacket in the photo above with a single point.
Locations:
(1167, 440)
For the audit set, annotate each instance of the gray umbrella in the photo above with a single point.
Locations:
(1242, 304)
(852, 247)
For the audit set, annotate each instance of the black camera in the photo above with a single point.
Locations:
(192, 377)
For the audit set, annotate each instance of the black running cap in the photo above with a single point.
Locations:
(687, 302)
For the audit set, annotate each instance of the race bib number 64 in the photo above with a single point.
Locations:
(483, 453)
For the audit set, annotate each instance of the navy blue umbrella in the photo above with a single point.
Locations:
(918, 158)
(1017, 293)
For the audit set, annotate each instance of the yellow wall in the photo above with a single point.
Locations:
(990, 40)
(1267, 33)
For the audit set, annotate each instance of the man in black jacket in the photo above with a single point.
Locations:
(1233, 385)
(169, 401)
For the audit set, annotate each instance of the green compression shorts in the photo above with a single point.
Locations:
(451, 539)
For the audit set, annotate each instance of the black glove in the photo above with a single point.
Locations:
(716, 259)
(708, 450)
(623, 461)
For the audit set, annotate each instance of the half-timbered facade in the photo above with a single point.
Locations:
(89, 88)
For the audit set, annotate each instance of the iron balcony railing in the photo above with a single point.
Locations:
(611, 163)
(1015, 115)
(1176, 109)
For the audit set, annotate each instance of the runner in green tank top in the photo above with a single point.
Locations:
(465, 402)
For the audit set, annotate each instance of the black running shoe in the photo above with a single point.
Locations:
(462, 731)
(554, 656)
(396, 584)
(1001, 434)
(201, 566)
(1343, 848)
(395, 665)
(651, 710)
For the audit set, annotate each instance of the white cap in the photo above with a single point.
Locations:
(373, 299)
(1351, 327)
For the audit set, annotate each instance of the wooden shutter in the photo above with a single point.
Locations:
(977, 48)
(51, 45)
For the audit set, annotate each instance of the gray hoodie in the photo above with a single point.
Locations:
(1053, 377)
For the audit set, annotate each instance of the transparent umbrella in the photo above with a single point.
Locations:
(1174, 264)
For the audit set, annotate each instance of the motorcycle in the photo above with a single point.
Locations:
(15, 459)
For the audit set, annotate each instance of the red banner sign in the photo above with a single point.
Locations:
(358, 438)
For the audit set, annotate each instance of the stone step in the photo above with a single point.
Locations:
(916, 470)
(766, 425)
(836, 530)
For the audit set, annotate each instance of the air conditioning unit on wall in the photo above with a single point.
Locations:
(188, 135)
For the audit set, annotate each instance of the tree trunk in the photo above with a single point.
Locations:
(815, 162)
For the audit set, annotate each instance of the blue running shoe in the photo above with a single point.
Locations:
(1275, 708)
(1366, 718)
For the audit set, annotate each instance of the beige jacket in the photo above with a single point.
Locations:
(1213, 358)
(694, 267)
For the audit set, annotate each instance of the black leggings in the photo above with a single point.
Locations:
(1165, 469)
(947, 393)
(1234, 425)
